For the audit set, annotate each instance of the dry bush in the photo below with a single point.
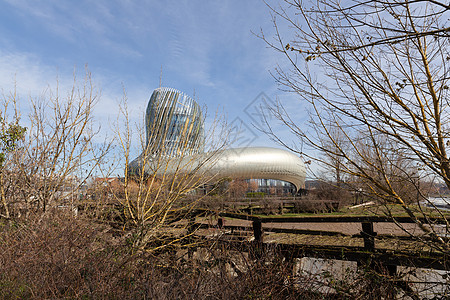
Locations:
(222, 272)
(212, 202)
(66, 257)
(309, 206)
(313, 205)
(59, 256)
(269, 206)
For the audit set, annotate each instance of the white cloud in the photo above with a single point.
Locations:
(202, 45)
(25, 75)
(23, 72)
(82, 22)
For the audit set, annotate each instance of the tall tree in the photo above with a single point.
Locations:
(59, 150)
(11, 133)
(376, 72)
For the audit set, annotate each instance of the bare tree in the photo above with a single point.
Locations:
(58, 152)
(252, 185)
(376, 71)
(11, 135)
(333, 162)
(166, 181)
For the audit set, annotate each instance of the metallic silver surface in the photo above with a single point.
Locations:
(174, 124)
(237, 163)
(260, 162)
(175, 142)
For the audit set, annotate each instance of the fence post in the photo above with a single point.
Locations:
(190, 230)
(257, 230)
(258, 246)
(369, 236)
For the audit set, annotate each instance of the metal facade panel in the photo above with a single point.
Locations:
(175, 133)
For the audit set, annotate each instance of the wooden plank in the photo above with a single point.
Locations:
(436, 261)
(315, 232)
(323, 219)
(238, 216)
(332, 219)
(307, 231)
(352, 219)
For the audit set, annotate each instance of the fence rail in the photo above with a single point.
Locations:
(338, 219)
(369, 252)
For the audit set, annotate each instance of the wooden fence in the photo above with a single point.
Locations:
(271, 204)
(365, 255)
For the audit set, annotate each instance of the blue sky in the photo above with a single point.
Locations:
(202, 46)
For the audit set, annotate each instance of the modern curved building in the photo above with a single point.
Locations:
(174, 124)
(175, 133)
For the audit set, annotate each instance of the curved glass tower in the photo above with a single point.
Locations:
(175, 138)
(174, 124)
